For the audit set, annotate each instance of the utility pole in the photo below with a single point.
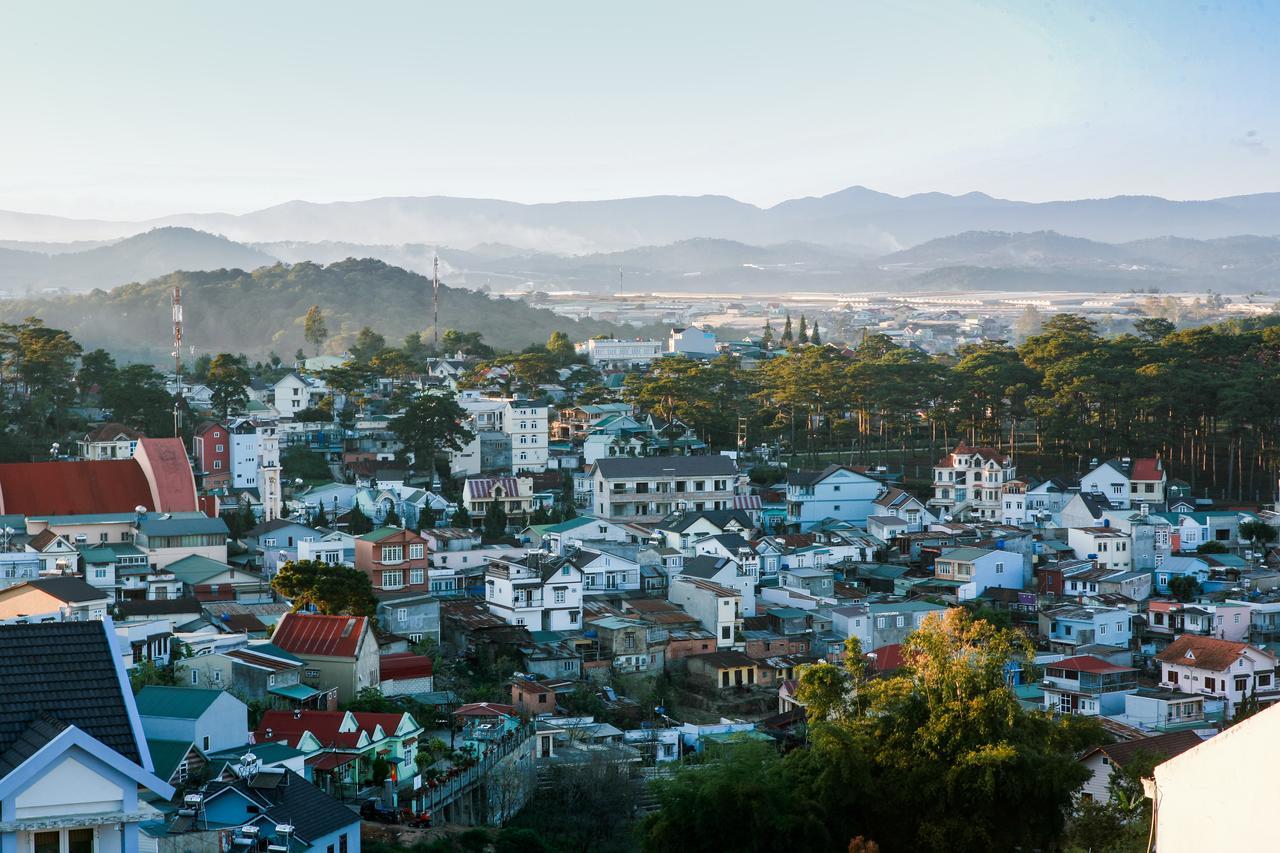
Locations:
(435, 302)
(177, 359)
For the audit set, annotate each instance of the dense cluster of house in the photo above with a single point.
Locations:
(1150, 609)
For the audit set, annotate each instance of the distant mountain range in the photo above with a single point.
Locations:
(138, 258)
(857, 219)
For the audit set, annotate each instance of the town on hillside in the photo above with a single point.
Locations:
(387, 594)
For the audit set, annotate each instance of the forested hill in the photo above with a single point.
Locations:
(261, 311)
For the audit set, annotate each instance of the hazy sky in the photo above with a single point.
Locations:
(137, 108)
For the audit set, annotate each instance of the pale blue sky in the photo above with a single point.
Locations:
(143, 108)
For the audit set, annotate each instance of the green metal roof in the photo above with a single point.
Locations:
(165, 755)
(97, 554)
(301, 692)
(184, 703)
(273, 650)
(197, 569)
(571, 524)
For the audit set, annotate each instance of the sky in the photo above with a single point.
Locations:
(139, 109)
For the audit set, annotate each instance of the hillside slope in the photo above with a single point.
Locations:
(261, 311)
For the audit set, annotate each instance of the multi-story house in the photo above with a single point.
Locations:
(525, 422)
(1072, 626)
(211, 447)
(717, 608)
(1224, 670)
(575, 422)
(245, 446)
(979, 569)
(294, 392)
(1087, 686)
(836, 492)
(691, 340)
(1045, 499)
(1224, 621)
(1084, 578)
(169, 537)
(539, 591)
(1105, 546)
(394, 559)
(513, 495)
(338, 651)
(614, 354)
(109, 441)
(604, 570)
(968, 483)
(1126, 482)
(726, 572)
(650, 488)
(896, 503)
(882, 624)
(1190, 530)
(409, 614)
(458, 560)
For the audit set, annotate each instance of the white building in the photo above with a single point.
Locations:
(717, 608)
(294, 392)
(968, 483)
(610, 353)
(836, 492)
(691, 341)
(541, 592)
(603, 571)
(1127, 481)
(245, 450)
(526, 422)
(979, 569)
(1108, 547)
(647, 489)
(1225, 670)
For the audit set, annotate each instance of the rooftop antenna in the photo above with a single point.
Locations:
(619, 280)
(435, 302)
(177, 356)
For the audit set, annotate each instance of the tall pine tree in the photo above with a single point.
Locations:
(815, 338)
(787, 338)
(766, 338)
(803, 337)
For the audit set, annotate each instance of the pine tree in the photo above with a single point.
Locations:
(359, 523)
(787, 338)
(766, 338)
(815, 338)
(391, 519)
(803, 337)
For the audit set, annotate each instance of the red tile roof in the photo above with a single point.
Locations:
(1207, 653)
(1147, 469)
(406, 665)
(987, 454)
(159, 478)
(887, 658)
(285, 727)
(314, 634)
(73, 488)
(1088, 663)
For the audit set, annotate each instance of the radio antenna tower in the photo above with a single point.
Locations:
(177, 358)
(435, 302)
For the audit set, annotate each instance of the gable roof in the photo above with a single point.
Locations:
(705, 566)
(894, 497)
(678, 522)
(987, 454)
(195, 569)
(405, 665)
(812, 478)
(292, 800)
(1088, 663)
(66, 673)
(68, 590)
(184, 703)
(1206, 652)
(1163, 746)
(165, 755)
(316, 634)
(483, 487)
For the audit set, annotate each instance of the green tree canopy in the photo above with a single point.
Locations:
(331, 589)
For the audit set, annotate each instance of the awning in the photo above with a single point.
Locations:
(330, 760)
(300, 692)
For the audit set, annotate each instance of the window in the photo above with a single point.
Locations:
(999, 568)
(1210, 684)
(901, 621)
(392, 553)
(559, 595)
(1263, 679)
(205, 743)
(1242, 683)
(417, 551)
(726, 632)
(879, 621)
(836, 507)
(417, 575)
(195, 676)
(342, 843)
(402, 614)
(391, 580)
